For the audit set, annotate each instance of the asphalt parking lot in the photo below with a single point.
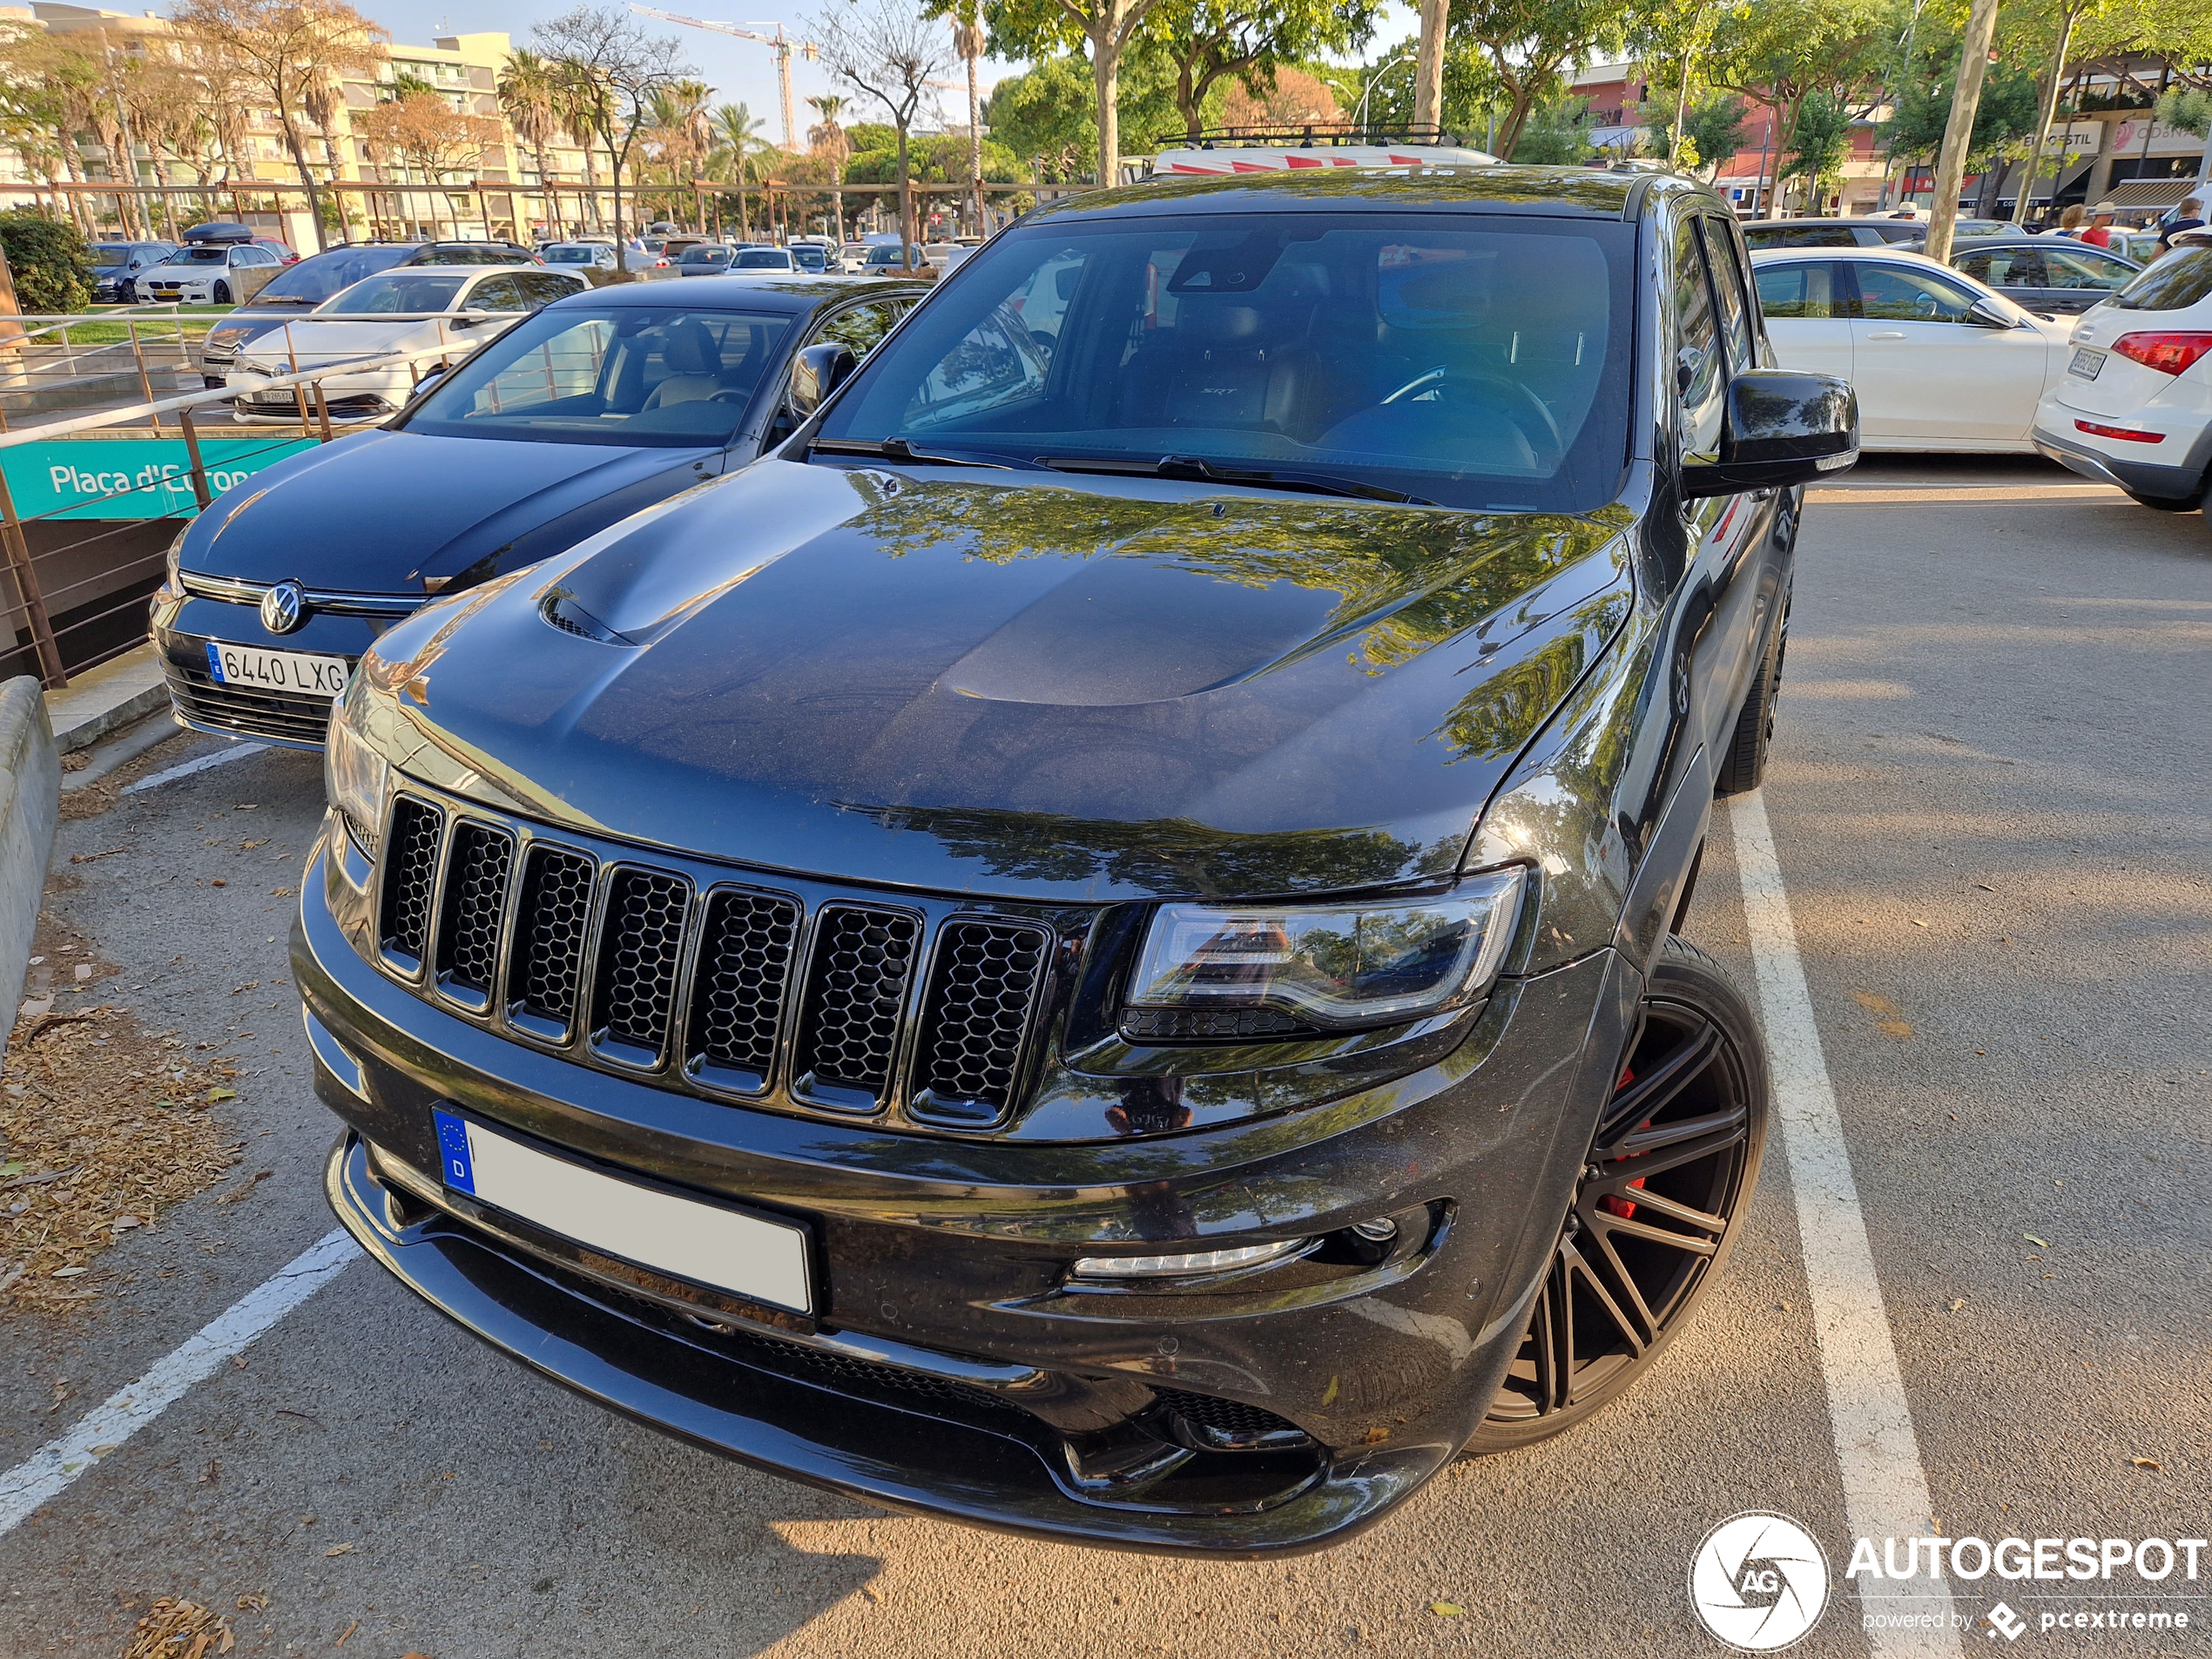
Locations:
(1990, 811)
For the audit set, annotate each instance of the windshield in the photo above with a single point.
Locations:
(704, 256)
(398, 291)
(313, 280)
(762, 258)
(201, 253)
(572, 254)
(629, 374)
(106, 255)
(1472, 361)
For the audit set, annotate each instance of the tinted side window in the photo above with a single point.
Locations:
(545, 289)
(1697, 351)
(1728, 287)
(499, 294)
(1811, 289)
(1900, 293)
(2083, 267)
(857, 328)
(2007, 267)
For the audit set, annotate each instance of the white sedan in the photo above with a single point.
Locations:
(415, 306)
(1940, 360)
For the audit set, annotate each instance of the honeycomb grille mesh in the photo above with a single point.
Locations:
(475, 902)
(743, 980)
(549, 924)
(863, 961)
(639, 951)
(410, 870)
(982, 992)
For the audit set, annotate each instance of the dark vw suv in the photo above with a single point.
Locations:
(1089, 946)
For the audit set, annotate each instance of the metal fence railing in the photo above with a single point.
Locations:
(86, 524)
(124, 355)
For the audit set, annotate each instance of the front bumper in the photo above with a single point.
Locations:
(183, 623)
(944, 1257)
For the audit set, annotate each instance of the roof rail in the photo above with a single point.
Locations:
(1311, 135)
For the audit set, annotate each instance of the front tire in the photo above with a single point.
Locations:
(1744, 761)
(1662, 1198)
(222, 296)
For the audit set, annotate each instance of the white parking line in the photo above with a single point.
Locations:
(203, 764)
(115, 1419)
(1885, 1492)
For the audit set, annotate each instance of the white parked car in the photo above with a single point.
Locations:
(402, 310)
(1941, 361)
(209, 273)
(2135, 405)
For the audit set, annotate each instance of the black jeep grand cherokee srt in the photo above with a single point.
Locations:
(1089, 946)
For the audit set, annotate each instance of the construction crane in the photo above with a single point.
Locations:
(782, 44)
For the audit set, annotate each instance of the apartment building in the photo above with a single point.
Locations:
(496, 191)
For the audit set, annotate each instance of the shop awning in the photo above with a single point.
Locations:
(2161, 194)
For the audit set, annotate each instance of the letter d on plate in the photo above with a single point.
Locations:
(453, 1148)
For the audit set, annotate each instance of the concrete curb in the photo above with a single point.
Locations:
(31, 777)
(101, 699)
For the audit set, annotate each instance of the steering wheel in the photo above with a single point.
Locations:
(727, 395)
(1925, 307)
(1450, 381)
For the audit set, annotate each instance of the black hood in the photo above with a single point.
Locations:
(1018, 684)
(380, 512)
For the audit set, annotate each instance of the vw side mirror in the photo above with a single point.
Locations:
(819, 371)
(1781, 428)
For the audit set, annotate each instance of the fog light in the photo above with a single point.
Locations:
(1183, 1266)
(1380, 1230)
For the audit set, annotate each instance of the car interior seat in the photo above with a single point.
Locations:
(694, 365)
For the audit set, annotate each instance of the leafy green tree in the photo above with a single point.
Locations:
(1817, 141)
(1530, 45)
(1713, 130)
(2005, 116)
(1046, 116)
(1554, 134)
(1783, 51)
(1037, 30)
(1211, 43)
(53, 269)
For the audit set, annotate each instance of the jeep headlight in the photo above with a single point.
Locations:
(1256, 970)
(355, 775)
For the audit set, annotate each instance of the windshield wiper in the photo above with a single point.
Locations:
(896, 450)
(1197, 466)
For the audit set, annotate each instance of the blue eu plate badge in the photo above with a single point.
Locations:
(452, 1152)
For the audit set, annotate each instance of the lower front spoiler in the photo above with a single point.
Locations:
(997, 1474)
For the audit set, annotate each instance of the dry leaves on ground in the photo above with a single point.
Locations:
(103, 1126)
(178, 1630)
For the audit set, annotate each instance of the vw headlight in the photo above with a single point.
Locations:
(355, 775)
(1250, 970)
(176, 560)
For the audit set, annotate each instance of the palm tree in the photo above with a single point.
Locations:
(678, 128)
(829, 142)
(530, 92)
(737, 140)
(325, 101)
(580, 112)
(967, 41)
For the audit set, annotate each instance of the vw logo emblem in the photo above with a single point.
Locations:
(284, 607)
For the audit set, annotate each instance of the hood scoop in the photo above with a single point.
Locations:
(1121, 631)
(560, 610)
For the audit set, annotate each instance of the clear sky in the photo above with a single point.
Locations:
(740, 71)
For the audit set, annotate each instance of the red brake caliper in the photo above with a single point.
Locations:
(1625, 1207)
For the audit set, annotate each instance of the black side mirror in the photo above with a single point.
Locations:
(1782, 428)
(819, 371)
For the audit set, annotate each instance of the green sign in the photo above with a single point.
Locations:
(113, 476)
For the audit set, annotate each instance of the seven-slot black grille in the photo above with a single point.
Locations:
(640, 946)
(410, 873)
(856, 994)
(982, 992)
(739, 988)
(476, 906)
(712, 987)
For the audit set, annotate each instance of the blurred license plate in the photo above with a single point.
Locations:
(722, 1249)
(276, 671)
(2086, 363)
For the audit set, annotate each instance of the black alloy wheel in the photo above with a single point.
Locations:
(1657, 1209)
(222, 294)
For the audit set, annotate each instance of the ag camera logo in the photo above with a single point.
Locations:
(1759, 1583)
